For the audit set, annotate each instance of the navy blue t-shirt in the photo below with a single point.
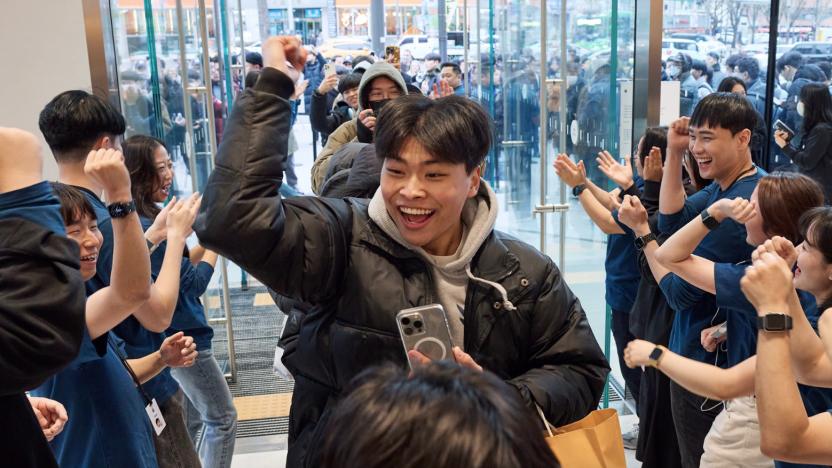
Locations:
(107, 426)
(725, 244)
(36, 203)
(621, 266)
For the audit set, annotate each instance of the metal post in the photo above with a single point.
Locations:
(465, 47)
(544, 121)
(377, 25)
(157, 126)
(648, 57)
(190, 146)
(443, 29)
(562, 143)
(774, 26)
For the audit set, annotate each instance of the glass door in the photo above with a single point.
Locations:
(170, 86)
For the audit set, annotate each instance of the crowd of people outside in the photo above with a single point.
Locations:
(717, 271)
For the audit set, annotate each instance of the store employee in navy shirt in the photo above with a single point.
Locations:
(718, 136)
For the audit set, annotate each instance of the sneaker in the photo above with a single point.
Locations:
(631, 438)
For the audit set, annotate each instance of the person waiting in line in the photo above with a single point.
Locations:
(328, 112)
(451, 74)
(748, 69)
(679, 69)
(40, 333)
(774, 209)
(703, 75)
(209, 405)
(426, 236)
(379, 84)
(717, 135)
(788, 350)
(443, 416)
(814, 155)
(712, 59)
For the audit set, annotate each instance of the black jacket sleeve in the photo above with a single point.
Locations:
(298, 246)
(320, 117)
(42, 303)
(817, 147)
(568, 369)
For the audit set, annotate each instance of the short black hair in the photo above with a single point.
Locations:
(74, 205)
(749, 65)
(433, 56)
(826, 68)
(793, 59)
(452, 129)
(714, 55)
(654, 136)
(362, 58)
(444, 416)
(699, 65)
(74, 120)
(453, 67)
(254, 58)
(348, 82)
(732, 60)
(724, 110)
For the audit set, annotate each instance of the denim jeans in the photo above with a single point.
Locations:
(209, 406)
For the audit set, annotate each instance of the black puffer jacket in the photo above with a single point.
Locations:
(328, 253)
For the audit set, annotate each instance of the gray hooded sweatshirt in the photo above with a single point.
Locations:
(452, 273)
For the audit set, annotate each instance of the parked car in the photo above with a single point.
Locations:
(814, 52)
(344, 46)
(672, 46)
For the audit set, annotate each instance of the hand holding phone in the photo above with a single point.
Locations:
(780, 126)
(329, 69)
(425, 329)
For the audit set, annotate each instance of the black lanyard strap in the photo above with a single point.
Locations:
(129, 369)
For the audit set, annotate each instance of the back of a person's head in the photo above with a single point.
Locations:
(654, 136)
(749, 65)
(817, 103)
(810, 72)
(254, 58)
(732, 60)
(443, 416)
(724, 110)
(73, 122)
(782, 198)
(826, 68)
(451, 129)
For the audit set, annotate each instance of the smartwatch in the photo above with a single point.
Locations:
(774, 323)
(656, 356)
(120, 210)
(641, 242)
(578, 189)
(709, 221)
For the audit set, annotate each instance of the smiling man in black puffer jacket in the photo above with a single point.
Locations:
(425, 237)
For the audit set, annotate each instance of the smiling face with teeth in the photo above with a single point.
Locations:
(164, 169)
(85, 232)
(425, 196)
(719, 154)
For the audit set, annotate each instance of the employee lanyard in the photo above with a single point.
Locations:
(124, 363)
(742, 174)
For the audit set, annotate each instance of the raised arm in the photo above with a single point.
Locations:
(243, 216)
(633, 214)
(130, 276)
(697, 377)
(573, 175)
(157, 312)
(786, 431)
(672, 197)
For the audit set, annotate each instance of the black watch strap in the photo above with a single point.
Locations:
(641, 242)
(709, 221)
(578, 189)
(121, 209)
(774, 323)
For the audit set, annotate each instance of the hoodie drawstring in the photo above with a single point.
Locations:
(499, 287)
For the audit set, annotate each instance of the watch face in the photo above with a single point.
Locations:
(775, 322)
(656, 354)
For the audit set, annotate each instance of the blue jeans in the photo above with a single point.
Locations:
(209, 406)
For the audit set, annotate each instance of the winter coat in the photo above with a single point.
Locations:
(329, 254)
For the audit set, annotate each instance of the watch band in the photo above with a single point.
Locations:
(774, 323)
(641, 242)
(709, 221)
(578, 189)
(656, 356)
(121, 209)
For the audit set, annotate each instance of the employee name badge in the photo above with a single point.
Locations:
(156, 418)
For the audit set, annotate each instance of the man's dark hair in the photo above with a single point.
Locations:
(727, 84)
(749, 65)
(453, 67)
(433, 56)
(444, 416)
(452, 129)
(793, 59)
(654, 136)
(74, 205)
(731, 61)
(348, 82)
(826, 68)
(74, 120)
(362, 58)
(714, 56)
(254, 58)
(724, 110)
(699, 65)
